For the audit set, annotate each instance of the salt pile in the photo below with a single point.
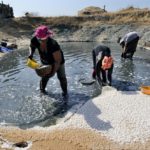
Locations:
(120, 116)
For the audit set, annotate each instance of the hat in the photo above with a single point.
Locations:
(42, 32)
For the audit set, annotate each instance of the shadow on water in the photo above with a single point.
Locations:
(56, 108)
(22, 104)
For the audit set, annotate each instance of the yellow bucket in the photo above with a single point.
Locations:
(145, 89)
(32, 63)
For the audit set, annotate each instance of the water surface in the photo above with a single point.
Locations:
(22, 104)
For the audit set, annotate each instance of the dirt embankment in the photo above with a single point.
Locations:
(106, 26)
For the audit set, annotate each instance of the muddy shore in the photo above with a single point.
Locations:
(68, 139)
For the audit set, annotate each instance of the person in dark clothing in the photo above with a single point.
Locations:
(129, 43)
(102, 65)
(50, 54)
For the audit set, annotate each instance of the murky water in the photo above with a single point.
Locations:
(22, 104)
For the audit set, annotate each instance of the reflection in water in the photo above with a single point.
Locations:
(127, 69)
(126, 76)
(22, 104)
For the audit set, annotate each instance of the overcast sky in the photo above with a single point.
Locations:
(69, 7)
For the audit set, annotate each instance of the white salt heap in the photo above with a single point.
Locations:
(120, 116)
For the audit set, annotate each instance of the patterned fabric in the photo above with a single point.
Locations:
(107, 62)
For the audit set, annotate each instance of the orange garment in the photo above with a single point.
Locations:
(107, 62)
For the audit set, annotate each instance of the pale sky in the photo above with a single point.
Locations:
(69, 7)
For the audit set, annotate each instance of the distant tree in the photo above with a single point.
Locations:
(31, 14)
(6, 11)
(104, 8)
(26, 14)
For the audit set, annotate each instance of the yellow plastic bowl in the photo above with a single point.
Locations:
(32, 63)
(145, 89)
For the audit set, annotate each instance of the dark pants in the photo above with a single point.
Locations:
(130, 49)
(107, 75)
(62, 78)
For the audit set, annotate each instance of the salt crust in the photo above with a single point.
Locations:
(121, 116)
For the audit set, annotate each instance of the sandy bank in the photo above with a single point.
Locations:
(68, 139)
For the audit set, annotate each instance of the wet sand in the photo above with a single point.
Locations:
(68, 139)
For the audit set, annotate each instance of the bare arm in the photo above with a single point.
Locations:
(31, 51)
(57, 58)
(125, 48)
(94, 59)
